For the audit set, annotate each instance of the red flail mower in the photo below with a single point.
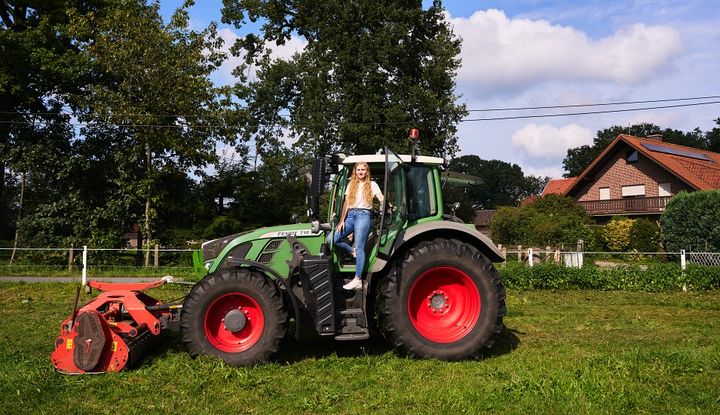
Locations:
(114, 330)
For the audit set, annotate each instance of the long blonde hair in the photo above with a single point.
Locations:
(355, 182)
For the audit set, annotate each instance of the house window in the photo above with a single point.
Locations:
(633, 157)
(604, 193)
(664, 189)
(633, 191)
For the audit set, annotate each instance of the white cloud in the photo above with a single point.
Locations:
(500, 53)
(284, 52)
(549, 142)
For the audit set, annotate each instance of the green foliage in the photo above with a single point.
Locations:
(692, 221)
(656, 277)
(549, 221)
(221, 226)
(370, 71)
(501, 183)
(644, 236)
(616, 234)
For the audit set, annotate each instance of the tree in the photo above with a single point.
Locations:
(152, 89)
(690, 221)
(40, 67)
(501, 183)
(549, 221)
(712, 137)
(370, 70)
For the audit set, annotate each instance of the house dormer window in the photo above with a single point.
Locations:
(632, 157)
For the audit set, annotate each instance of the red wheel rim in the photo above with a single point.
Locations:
(225, 340)
(444, 304)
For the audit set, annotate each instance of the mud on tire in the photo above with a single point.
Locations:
(226, 294)
(444, 300)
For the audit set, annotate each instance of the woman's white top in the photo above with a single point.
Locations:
(360, 202)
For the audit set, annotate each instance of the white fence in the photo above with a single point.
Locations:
(577, 258)
(95, 261)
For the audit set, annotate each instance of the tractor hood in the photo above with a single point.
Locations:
(219, 248)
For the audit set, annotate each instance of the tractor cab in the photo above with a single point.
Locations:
(411, 194)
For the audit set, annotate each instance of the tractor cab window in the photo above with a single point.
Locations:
(422, 200)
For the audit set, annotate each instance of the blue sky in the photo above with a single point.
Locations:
(538, 53)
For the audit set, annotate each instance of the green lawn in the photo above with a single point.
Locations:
(564, 352)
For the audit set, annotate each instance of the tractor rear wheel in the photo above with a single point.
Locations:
(444, 301)
(236, 315)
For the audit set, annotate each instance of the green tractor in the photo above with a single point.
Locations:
(430, 285)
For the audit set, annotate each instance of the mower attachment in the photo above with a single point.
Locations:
(114, 330)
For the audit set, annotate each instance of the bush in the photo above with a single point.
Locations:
(222, 226)
(617, 234)
(692, 221)
(550, 220)
(657, 277)
(644, 236)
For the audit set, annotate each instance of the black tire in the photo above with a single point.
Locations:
(423, 314)
(265, 319)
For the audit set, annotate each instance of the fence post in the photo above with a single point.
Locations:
(156, 261)
(683, 264)
(519, 253)
(580, 249)
(84, 270)
(504, 253)
(71, 257)
(530, 257)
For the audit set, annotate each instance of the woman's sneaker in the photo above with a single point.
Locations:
(354, 284)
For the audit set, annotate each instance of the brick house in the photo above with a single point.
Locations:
(637, 176)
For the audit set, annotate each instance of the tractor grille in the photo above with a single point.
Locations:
(265, 258)
(268, 252)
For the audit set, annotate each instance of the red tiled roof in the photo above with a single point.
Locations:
(698, 174)
(557, 186)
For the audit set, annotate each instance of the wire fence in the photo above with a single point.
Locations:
(156, 261)
(96, 262)
(578, 258)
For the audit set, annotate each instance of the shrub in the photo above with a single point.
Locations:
(617, 234)
(692, 220)
(644, 236)
(550, 220)
(656, 277)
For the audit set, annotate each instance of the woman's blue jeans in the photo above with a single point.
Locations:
(357, 222)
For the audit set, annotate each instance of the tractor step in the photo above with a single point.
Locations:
(354, 325)
(349, 337)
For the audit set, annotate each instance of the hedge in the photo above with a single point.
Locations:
(656, 277)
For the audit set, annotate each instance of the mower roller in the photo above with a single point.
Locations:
(114, 330)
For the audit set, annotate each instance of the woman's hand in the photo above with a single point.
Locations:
(340, 226)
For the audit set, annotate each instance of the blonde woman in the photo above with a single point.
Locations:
(356, 218)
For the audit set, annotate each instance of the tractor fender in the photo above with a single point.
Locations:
(445, 229)
(270, 273)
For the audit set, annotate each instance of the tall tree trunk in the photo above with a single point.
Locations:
(19, 216)
(148, 228)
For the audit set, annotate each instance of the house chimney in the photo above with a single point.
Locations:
(654, 137)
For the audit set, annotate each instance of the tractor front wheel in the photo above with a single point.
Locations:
(445, 301)
(236, 315)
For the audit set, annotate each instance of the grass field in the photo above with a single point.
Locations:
(564, 352)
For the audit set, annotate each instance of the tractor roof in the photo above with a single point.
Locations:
(380, 158)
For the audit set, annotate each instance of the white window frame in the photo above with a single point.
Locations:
(636, 190)
(604, 193)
